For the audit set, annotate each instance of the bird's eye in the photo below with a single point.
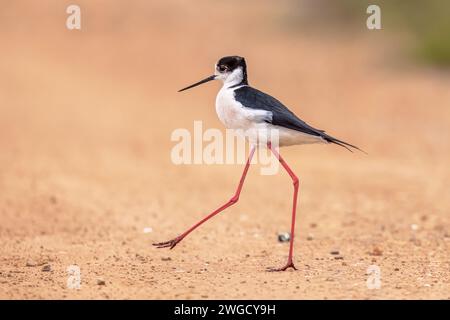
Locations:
(222, 68)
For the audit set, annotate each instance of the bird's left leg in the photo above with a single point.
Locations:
(295, 182)
(172, 243)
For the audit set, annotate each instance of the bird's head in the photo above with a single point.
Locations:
(231, 70)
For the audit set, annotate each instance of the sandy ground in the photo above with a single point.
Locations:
(85, 124)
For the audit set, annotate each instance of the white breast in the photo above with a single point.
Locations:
(234, 115)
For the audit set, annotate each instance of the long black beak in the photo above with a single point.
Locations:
(199, 83)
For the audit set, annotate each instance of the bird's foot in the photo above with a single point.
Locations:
(288, 265)
(168, 244)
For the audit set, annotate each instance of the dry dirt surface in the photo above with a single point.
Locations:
(85, 124)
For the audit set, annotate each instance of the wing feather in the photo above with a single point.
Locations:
(281, 115)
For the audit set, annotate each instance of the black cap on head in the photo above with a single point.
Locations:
(225, 65)
(230, 63)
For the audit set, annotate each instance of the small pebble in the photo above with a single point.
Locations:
(414, 227)
(148, 230)
(334, 252)
(47, 268)
(101, 282)
(31, 263)
(310, 237)
(284, 237)
(376, 252)
(166, 259)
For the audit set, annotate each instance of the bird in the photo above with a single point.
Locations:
(240, 106)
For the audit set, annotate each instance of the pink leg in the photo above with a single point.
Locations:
(290, 263)
(172, 243)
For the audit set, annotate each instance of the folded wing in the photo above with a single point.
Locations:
(281, 115)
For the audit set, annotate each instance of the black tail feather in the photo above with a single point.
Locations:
(343, 144)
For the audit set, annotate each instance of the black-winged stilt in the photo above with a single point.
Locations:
(239, 106)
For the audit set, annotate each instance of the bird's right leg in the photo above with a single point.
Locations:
(172, 243)
(295, 182)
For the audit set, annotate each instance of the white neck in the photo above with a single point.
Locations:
(233, 78)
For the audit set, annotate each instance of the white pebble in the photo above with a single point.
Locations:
(148, 230)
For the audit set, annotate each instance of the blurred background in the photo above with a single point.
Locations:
(85, 123)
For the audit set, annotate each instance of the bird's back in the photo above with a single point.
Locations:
(281, 116)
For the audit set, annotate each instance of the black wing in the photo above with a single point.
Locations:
(281, 116)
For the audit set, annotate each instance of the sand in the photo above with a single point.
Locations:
(87, 181)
